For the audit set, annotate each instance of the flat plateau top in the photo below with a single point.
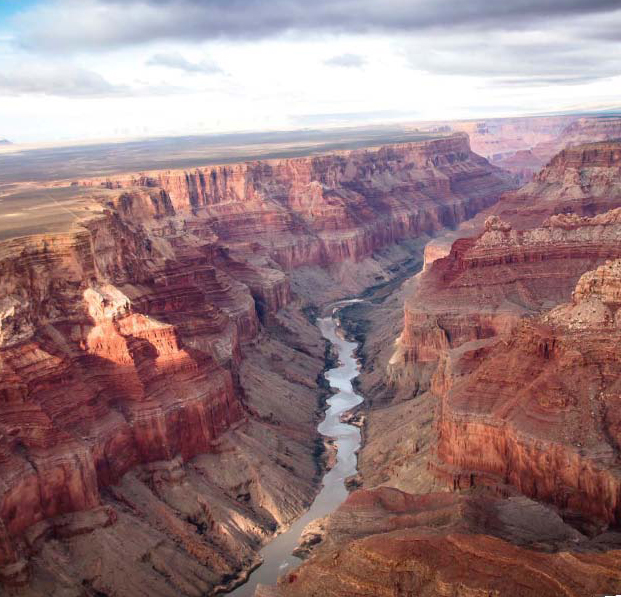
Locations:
(31, 209)
(46, 164)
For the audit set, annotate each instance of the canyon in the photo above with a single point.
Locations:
(160, 364)
(490, 461)
(523, 146)
(162, 371)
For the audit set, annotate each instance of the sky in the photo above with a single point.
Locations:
(92, 69)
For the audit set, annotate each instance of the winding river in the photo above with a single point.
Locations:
(277, 555)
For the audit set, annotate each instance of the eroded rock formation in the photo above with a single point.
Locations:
(542, 138)
(491, 460)
(384, 542)
(326, 209)
(158, 387)
(540, 410)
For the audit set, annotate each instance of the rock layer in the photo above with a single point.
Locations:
(503, 390)
(327, 209)
(384, 542)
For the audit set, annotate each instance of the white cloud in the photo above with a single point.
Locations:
(346, 61)
(176, 61)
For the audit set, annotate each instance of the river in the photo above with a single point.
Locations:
(277, 555)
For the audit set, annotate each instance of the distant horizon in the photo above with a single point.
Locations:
(16, 145)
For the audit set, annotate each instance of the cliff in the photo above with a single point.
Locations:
(487, 284)
(524, 384)
(526, 162)
(330, 208)
(539, 412)
(158, 387)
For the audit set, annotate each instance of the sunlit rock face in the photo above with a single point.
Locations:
(111, 356)
(143, 403)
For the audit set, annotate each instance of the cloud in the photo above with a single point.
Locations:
(63, 81)
(68, 25)
(517, 60)
(30, 78)
(176, 61)
(347, 61)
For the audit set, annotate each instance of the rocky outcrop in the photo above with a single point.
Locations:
(523, 384)
(385, 542)
(539, 411)
(112, 356)
(485, 285)
(500, 138)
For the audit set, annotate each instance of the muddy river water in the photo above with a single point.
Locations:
(277, 555)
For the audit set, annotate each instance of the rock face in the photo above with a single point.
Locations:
(486, 285)
(328, 209)
(524, 145)
(540, 411)
(156, 373)
(112, 355)
(385, 542)
(525, 163)
(498, 139)
(527, 387)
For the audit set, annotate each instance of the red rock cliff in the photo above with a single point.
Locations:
(526, 393)
(540, 413)
(330, 208)
(121, 348)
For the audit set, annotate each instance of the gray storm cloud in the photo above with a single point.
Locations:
(84, 24)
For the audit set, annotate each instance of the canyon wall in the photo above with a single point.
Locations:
(326, 209)
(157, 372)
(527, 162)
(527, 397)
(492, 438)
